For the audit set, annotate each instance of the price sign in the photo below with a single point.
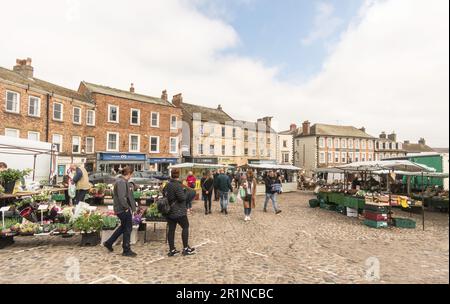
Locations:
(4, 209)
(43, 207)
(111, 208)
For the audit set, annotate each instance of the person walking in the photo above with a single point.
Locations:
(273, 185)
(216, 190)
(247, 192)
(176, 195)
(81, 180)
(207, 183)
(224, 187)
(124, 207)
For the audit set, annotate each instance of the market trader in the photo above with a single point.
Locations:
(124, 207)
(81, 180)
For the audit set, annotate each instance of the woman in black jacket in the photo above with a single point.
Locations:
(176, 195)
(207, 190)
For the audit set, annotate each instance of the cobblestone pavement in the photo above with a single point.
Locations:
(300, 245)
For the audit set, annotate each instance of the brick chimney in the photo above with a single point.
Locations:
(393, 136)
(23, 67)
(164, 95)
(132, 88)
(383, 135)
(422, 141)
(363, 129)
(292, 127)
(177, 100)
(219, 107)
(306, 127)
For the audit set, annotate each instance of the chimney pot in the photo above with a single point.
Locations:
(24, 67)
(363, 129)
(177, 100)
(219, 107)
(306, 127)
(383, 135)
(293, 127)
(164, 95)
(422, 141)
(132, 88)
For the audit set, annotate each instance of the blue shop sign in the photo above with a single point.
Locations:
(122, 157)
(163, 160)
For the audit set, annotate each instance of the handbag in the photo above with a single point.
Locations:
(72, 191)
(163, 204)
(232, 198)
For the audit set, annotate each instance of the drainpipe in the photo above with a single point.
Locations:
(47, 123)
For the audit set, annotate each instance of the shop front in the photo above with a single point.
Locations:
(63, 163)
(114, 162)
(161, 164)
(201, 160)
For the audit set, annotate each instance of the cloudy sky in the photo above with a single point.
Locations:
(380, 64)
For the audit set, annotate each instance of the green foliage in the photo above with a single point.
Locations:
(101, 187)
(88, 222)
(13, 175)
(110, 222)
(10, 222)
(152, 211)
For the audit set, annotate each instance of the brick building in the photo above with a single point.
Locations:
(39, 110)
(133, 129)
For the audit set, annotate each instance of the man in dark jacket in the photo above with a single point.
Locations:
(176, 195)
(271, 193)
(216, 191)
(223, 184)
(124, 207)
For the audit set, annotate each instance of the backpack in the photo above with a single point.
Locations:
(163, 204)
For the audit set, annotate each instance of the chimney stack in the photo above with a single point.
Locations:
(132, 88)
(383, 135)
(164, 95)
(406, 142)
(306, 127)
(363, 129)
(422, 141)
(393, 136)
(219, 107)
(24, 68)
(177, 100)
(293, 127)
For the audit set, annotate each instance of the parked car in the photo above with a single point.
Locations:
(142, 178)
(155, 174)
(102, 177)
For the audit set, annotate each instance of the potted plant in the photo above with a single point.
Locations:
(90, 225)
(10, 177)
(99, 193)
(152, 213)
(110, 223)
(28, 229)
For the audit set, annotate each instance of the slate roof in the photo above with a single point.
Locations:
(207, 114)
(41, 84)
(335, 130)
(104, 90)
(416, 148)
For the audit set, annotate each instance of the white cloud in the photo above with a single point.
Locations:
(325, 24)
(389, 71)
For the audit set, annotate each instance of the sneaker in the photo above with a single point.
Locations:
(107, 246)
(264, 210)
(249, 218)
(278, 212)
(188, 251)
(173, 253)
(246, 218)
(130, 254)
(206, 212)
(221, 210)
(226, 212)
(209, 212)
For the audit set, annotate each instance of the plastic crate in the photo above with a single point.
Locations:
(313, 203)
(341, 210)
(351, 212)
(375, 224)
(375, 216)
(376, 209)
(404, 223)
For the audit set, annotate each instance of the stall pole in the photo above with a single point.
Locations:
(388, 184)
(423, 210)
(34, 167)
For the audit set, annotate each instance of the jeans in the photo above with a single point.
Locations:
(223, 200)
(184, 223)
(273, 198)
(190, 195)
(216, 194)
(207, 199)
(79, 197)
(125, 228)
(247, 211)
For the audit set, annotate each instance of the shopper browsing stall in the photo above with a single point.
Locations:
(207, 190)
(124, 207)
(81, 180)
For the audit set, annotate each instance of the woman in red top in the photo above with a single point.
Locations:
(190, 181)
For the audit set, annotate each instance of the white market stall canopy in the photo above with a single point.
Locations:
(196, 165)
(273, 167)
(393, 165)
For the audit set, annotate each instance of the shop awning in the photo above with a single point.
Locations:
(196, 165)
(272, 167)
(393, 165)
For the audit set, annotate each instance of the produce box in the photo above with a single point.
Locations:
(375, 224)
(404, 223)
(314, 203)
(351, 212)
(375, 216)
(376, 208)
(58, 197)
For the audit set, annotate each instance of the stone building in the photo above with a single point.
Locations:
(323, 145)
(39, 110)
(387, 146)
(286, 145)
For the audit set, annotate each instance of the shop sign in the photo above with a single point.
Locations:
(262, 162)
(163, 160)
(213, 161)
(122, 157)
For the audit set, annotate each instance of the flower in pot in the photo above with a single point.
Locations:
(89, 224)
(10, 177)
(110, 222)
